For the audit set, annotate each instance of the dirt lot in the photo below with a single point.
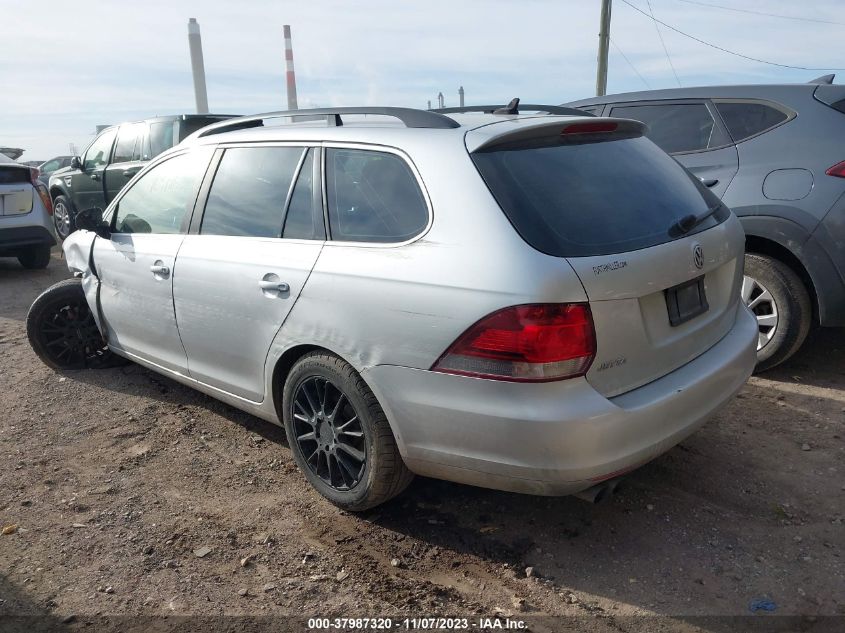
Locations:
(118, 478)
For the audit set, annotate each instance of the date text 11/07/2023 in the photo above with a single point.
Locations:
(418, 624)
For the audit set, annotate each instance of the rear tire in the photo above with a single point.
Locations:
(781, 303)
(35, 258)
(339, 435)
(62, 331)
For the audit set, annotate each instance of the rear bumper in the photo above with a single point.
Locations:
(19, 238)
(558, 437)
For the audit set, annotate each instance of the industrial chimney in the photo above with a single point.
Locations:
(197, 66)
(291, 77)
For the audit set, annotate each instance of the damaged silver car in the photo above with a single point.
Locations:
(529, 302)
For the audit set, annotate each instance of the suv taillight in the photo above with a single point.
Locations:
(527, 343)
(837, 170)
(34, 172)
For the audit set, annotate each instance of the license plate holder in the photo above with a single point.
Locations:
(686, 301)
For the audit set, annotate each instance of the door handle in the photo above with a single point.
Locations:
(155, 269)
(95, 176)
(710, 182)
(276, 286)
(128, 173)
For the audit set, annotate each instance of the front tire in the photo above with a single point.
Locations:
(780, 301)
(63, 217)
(62, 331)
(35, 258)
(339, 435)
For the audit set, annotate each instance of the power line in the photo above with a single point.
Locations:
(725, 50)
(660, 35)
(752, 12)
(634, 68)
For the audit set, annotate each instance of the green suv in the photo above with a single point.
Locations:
(112, 159)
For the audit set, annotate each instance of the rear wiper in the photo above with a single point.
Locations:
(689, 222)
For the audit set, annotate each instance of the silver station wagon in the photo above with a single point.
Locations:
(528, 302)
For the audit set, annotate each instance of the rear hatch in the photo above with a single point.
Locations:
(608, 200)
(16, 190)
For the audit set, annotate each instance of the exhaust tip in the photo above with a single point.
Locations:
(600, 492)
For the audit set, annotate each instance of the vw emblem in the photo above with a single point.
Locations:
(698, 256)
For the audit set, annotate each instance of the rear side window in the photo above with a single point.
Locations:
(598, 198)
(162, 200)
(679, 127)
(372, 197)
(127, 139)
(747, 119)
(162, 137)
(299, 220)
(249, 191)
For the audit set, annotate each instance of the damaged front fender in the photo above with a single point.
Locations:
(79, 255)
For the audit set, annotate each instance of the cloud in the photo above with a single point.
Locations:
(71, 66)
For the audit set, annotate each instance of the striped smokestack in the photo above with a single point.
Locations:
(291, 77)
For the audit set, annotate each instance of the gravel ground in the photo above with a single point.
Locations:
(134, 497)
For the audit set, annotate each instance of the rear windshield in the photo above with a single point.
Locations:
(577, 199)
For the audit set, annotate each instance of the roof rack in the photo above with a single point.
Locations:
(508, 109)
(409, 116)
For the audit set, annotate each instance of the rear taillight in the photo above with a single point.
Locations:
(837, 170)
(34, 172)
(527, 343)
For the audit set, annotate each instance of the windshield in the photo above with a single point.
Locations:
(577, 199)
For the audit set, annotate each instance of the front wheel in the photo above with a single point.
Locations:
(62, 331)
(780, 302)
(339, 435)
(63, 217)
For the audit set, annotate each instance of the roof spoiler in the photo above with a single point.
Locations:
(824, 79)
(542, 130)
(409, 116)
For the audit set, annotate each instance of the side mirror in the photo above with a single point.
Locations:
(92, 220)
(75, 163)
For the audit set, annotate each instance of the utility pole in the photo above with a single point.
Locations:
(604, 43)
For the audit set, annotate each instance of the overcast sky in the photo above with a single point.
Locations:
(68, 65)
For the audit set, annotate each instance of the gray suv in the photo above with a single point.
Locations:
(775, 154)
(530, 303)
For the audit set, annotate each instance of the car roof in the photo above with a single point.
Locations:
(371, 130)
(699, 92)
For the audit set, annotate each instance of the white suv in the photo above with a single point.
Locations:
(26, 226)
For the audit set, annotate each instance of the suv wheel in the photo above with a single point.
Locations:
(781, 303)
(63, 216)
(339, 435)
(62, 331)
(35, 257)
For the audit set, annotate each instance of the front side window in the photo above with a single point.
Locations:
(98, 152)
(372, 197)
(678, 127)
(249, 191)
(162, 200)
(744, 120)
